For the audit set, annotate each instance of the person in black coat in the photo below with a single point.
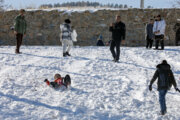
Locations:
(118, 30)
(150, 34)
(100, 41)
(165, 81)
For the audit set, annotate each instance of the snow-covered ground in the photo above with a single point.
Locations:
(101, 89)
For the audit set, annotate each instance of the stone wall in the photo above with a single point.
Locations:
(43, 26)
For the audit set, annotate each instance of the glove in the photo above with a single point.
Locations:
(45, 80)
(150, 87)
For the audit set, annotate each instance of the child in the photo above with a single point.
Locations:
(100, 41)
(59, 81)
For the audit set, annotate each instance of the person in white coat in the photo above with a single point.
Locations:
(66, 37)
(159, 31)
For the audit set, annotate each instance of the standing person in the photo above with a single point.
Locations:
(165, 81)
(159, 31)
(150, 35)
(66, 37)
(20, 29)
(177, 31)
(118, 30)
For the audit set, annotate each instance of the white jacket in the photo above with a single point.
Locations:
(159, 26)
(66, 32)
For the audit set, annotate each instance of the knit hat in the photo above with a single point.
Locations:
(68, 21)
(56, 76)
(164, 62)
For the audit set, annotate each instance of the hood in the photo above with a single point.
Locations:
(164, 66)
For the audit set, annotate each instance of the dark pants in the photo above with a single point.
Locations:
(116, 54)
(162, 100)
(19, 38)
(177, 38)
(159, 38)
(149, 42)
(54, 84)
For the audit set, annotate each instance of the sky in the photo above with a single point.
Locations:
(18, 4)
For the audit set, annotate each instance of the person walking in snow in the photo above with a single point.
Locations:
(165, 81)
(59, 81)
(159, 31)
(150, 35)
(66, 37)
(118, 30)
(20, 29)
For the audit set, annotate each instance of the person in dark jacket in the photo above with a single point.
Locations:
(177, 31)
(20, 29)
(118, 30)
(100, 41)
(150, 35)
(165, 81)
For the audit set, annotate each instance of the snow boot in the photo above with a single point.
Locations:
(47, 82)
(17, 51)
(163, 112)
(67, 81)
(67, 53)
(116, 60)
(64, 55)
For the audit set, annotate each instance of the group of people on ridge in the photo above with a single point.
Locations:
(155, 30)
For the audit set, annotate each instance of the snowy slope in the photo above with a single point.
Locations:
(101, 89)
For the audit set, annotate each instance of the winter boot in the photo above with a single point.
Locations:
(64, 55)
(68, 54)
(47, 82)
(163, 112)
(17, 51)
(116, 60)
(67, 80)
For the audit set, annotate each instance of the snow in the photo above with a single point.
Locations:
(70, 10)
(101, 89)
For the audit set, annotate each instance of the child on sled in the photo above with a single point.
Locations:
(59, 81)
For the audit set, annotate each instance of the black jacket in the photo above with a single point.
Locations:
(149, 30)
(118, 31)
(100, 43)
(165, 77)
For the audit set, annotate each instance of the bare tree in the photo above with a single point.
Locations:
(82, 4)
(125, 6)
(1, 4)
(178, 2)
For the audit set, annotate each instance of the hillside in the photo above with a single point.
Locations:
(101, 89)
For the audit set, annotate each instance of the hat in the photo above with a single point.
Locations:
(56, 76)
(67, 21)
(22, 11)
(164, 62)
